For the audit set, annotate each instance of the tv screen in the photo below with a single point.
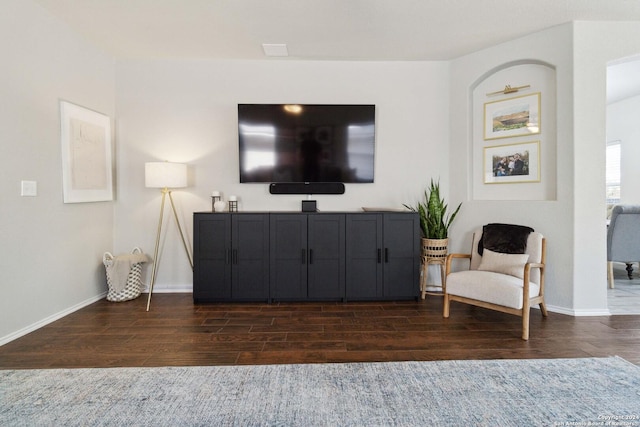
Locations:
(306, 143)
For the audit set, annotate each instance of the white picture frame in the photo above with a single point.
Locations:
(86, 154)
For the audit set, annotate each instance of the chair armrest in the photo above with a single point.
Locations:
(450, 258)
(527, 271)
(530, 265)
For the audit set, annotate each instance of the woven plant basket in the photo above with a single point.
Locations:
(133, 288)
(435, 249)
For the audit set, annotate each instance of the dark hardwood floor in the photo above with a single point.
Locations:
(177, 333)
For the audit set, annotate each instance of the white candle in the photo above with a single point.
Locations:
(215, 194)
(233, 198)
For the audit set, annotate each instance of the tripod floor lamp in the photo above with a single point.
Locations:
(166, 176)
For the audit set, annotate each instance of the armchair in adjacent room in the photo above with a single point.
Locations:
(623, 238)
(506, 272)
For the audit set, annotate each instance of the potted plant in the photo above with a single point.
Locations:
(434, 222)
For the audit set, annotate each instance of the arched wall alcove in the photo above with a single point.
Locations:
(539, 181)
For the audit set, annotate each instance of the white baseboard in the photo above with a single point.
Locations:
(170, 289)
(39, 324)
(578, 313)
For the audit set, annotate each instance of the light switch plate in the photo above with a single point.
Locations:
(28, 188)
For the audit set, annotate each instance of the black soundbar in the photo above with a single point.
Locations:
(306, 188)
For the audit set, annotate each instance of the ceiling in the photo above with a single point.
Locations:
(623, 79)
(365, 30)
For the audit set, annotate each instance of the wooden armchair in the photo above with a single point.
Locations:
(505, 282)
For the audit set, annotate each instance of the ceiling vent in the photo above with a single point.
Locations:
(275, 49)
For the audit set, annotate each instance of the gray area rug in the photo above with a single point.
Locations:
(543, 392)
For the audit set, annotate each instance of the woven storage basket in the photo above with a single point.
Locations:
(435, 249)
(133, 288)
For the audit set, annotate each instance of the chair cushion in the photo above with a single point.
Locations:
(496, 288)
(511, 264)
(534, 249)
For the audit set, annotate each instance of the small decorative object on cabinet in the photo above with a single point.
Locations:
(434, 225)
(219, 206)
(215, 198)
(233, 204)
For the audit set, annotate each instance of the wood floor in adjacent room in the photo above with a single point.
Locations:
(175, 332)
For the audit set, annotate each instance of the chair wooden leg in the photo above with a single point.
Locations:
(445, 310)
(525, 324)
(423, 278)
(610, 274)
(543, 309)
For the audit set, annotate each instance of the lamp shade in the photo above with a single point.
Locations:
(165, 175)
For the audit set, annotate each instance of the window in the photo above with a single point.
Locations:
(613, 172)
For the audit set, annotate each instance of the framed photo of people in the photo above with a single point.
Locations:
(512, 163)
(517, 116)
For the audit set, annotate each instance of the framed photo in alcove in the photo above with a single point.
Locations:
(518, 116)
(512, 163)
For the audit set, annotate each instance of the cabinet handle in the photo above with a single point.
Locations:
(386, 254)
(379, 255)
(303, 255)
(227, 256)
(310, 256)
(235, 256)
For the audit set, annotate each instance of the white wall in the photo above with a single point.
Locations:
(595, 45)
(623, 125)
(186, 111)
(50, 252)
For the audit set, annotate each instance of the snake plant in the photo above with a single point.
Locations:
(434, 221)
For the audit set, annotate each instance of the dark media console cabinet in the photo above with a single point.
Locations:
(318, 256)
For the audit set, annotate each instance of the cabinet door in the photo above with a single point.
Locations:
(288, 255)
(326, 256)
(364, 256)
(212, 268)
(401, 255)
(250, 256)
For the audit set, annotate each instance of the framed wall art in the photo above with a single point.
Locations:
(512, 163)
(510, 117)
(86, 154)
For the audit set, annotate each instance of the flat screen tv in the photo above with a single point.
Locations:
(306, 143)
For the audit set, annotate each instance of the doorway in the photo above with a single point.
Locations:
(623, 184)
